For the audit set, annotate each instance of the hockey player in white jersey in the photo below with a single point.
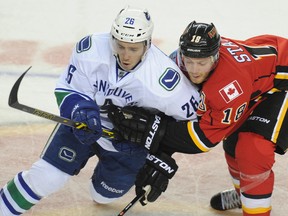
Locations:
(122, 68)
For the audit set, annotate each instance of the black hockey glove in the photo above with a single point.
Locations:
(138, 125)
(156, 173)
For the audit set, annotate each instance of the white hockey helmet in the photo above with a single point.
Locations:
(133, 25)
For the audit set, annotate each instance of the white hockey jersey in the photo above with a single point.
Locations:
(155, 83)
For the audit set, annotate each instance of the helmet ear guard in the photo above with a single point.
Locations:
(200, 40)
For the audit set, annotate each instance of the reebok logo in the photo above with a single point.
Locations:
(113, 190)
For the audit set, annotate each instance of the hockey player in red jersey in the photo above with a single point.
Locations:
(243, 83)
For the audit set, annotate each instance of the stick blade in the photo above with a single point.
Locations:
(13, 97)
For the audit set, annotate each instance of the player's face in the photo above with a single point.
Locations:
(198, 68)
(129, 54)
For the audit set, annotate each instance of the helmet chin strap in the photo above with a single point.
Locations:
(118, 60)
(145, 53)
(215, 58)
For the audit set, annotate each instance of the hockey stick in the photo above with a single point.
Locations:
(132, 203)
(13, 102)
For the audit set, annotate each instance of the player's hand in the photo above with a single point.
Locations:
(154, 176)
(138, 125)
(87, 112)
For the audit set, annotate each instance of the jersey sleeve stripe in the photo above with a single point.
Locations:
(195, 138)
(280, 118)
(281, 76)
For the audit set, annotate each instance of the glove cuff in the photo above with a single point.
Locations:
(84, 104)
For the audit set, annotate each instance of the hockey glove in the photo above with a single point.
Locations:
(156, 173)
(138, 125)
(87, 112)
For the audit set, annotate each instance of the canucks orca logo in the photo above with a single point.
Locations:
(169, 79)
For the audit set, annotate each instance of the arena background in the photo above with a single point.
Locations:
(41, 34)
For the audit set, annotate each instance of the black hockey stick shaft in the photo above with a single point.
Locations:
(13, 102)
(132, 203)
